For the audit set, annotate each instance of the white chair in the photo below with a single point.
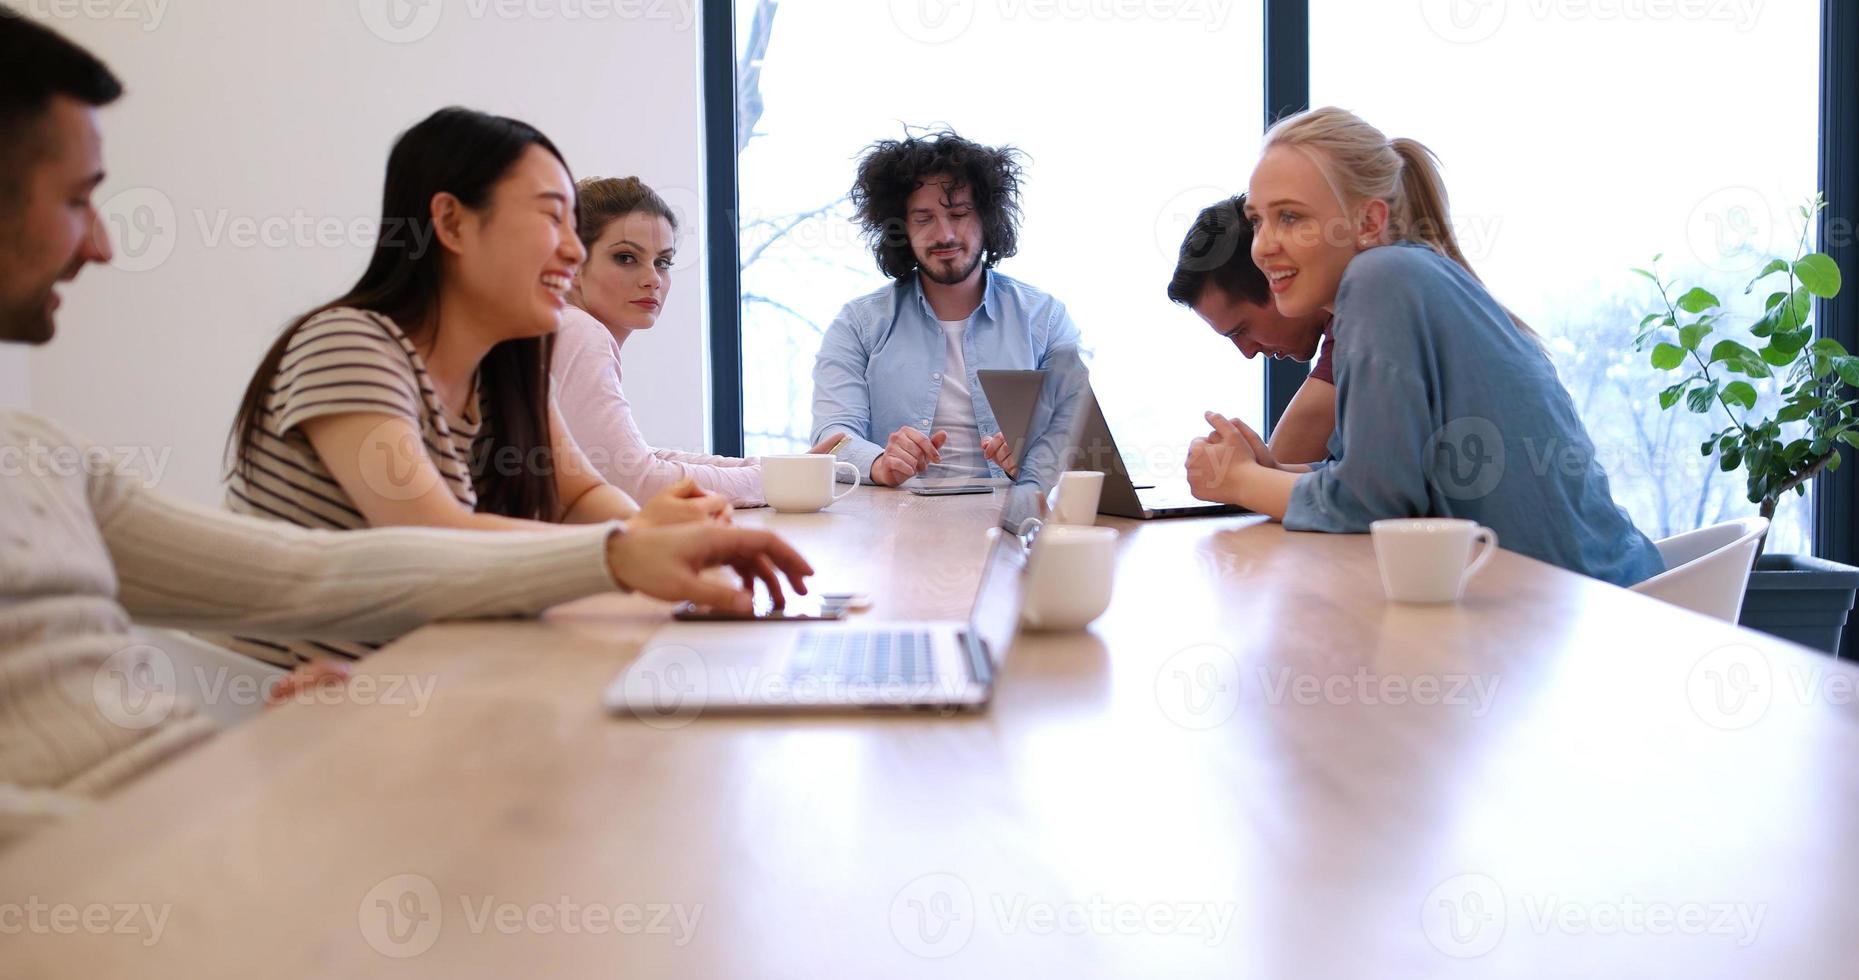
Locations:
(1707, 570)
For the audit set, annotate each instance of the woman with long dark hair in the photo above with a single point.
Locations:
(421, 396)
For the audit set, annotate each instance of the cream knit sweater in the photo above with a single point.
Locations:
(84, 550)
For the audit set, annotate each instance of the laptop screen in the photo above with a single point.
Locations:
(996, 612)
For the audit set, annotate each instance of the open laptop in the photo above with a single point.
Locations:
(689, 668)
(1094, 448)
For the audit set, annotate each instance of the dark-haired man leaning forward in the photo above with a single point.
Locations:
(897, 369)
(1214, 277)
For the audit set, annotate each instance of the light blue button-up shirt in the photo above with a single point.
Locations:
(880, 364)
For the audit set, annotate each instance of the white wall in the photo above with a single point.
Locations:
(240, 113)
(15, 379)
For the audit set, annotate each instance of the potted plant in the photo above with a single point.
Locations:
(1782, 445)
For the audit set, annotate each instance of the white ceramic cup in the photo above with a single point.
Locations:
(803, 484)
(1429, 559)
(1074, 500)
(1069, 576)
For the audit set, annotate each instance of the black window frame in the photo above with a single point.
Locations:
(1836, 532)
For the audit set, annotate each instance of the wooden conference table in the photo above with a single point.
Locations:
(1250, 766)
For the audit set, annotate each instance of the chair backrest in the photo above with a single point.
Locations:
(1707, 570)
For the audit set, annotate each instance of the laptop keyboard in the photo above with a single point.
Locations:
(862, 657)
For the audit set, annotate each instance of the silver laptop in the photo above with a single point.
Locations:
(690, 668)
(1094, 448)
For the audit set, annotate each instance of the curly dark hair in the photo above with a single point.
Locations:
(891, 170)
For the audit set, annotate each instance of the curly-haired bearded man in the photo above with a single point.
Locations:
(896, 372)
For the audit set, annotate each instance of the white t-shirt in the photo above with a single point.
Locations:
(955, 412)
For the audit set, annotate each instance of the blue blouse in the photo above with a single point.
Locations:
(1444, 408)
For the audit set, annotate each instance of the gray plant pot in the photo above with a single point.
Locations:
(1800, 598)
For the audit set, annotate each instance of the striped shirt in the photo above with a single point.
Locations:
(340, 362)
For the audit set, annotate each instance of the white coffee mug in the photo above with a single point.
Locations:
(803, 484)
(1429, 559)
(1069, 576)
(1074, 500)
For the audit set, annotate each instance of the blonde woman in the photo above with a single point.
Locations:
(631, 238)
(1446, 406)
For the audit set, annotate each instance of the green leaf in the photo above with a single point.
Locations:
(1700, 400)
(1851, 438)
(1848, 369)
(1697, 299)
(1665, 356)
(1739, 358)
(1778, 355)
(1730, 460)
(1833, 463)
(1785, 346)
(1643, 272)
(1800, 303)
(1774, 266)
(1792, 413)
(1829, 347)
(1650, 319)
(1690, 336)
(1740, 393)
(1670, 396)
(1729, 350)
(1818, 274)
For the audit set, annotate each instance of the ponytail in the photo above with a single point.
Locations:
(1420, 211)
(1363, 164)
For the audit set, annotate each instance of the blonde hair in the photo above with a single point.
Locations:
(1361, 164)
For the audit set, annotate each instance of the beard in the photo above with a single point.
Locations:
(29, 319)
(933, 274)
(28, 322)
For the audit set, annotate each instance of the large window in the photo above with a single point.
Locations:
(1579, 140)
(1131, 123)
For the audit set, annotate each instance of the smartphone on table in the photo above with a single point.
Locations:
(799, 609)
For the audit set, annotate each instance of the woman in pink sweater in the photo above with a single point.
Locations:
(630, 234)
